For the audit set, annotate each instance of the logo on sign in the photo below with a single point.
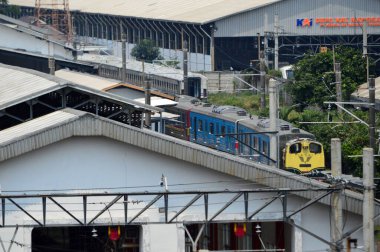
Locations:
(304, 22)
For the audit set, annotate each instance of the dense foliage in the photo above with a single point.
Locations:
(314, 84)
(5, 8)
(146, 50)
(315, 78)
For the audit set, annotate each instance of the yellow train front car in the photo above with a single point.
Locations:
(303, 155)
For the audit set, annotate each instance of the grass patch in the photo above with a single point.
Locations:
(245, 100)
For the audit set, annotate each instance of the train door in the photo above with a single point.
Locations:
(194, 87)
(195, 128)
(222, 138)
(201, 130)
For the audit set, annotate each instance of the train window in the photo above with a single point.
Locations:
(200, 125)
(315, 148)
(295, 148)
(211, 128)
(223, 130)
(255, 142)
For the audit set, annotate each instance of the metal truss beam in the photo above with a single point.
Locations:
(248, 195)
(146, 207)
(309, 203)
(106, 208)
(262, 208)
(311, 233)
(186, 207)
(26, 212)
(227, 205)
(355, 229)
(64, 209)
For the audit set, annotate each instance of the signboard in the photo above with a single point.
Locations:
(341, 22)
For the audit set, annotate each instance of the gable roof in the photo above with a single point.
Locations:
(33, 30)
(18, 85)
(61, 125)
(195, 11)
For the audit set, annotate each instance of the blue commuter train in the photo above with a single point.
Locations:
(231, 129)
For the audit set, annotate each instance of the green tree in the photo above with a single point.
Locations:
(146, 50)
(314, 74)
(5, 8)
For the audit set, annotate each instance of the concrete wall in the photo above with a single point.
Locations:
(219, 81)
(82, 163)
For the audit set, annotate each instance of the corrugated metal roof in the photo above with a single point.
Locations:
(195, 11)
(87, 80)
(41, 124)
(103, 84)
(23, 138)
(18, 85)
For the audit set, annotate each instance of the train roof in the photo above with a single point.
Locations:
(233, 114)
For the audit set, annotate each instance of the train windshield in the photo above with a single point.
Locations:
(315, 148)
(295, 148)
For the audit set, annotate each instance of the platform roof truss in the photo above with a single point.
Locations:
(119, 198)
(73, 98)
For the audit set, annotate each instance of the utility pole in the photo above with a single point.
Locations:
(336, 197)
(262, 81)
(276, 26)
(146, 83)
(371, 89)
(338, 84)
(185, 69)
(273, 120)
(368, 204)
(123, 57)
(51, 63)
(266, 38)
(212, 48)
(51, 60)
(258, 45)
(365, 46)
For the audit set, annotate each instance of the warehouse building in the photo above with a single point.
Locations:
(223, 35)
(74, 179)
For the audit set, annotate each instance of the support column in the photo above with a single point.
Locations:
(368, 204)
(262, 81)
(273, 119)
(212, 49)
(336, 200)
(185, 69)
(266, 38)
(276, 25)
(372, 116)
(338, 84)
(123, 57)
